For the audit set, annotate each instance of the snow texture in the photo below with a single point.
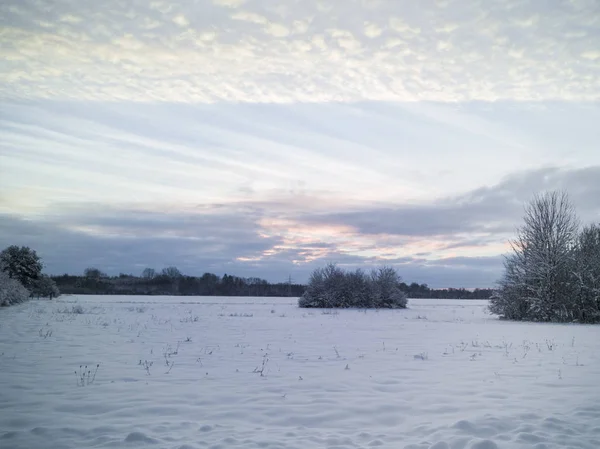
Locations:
(223, 373)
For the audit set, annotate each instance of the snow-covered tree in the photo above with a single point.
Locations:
(11, 290)
(332, 287)
(22, 264)
(510, 300)
(587, 274)
(45, 287)
(538, 282)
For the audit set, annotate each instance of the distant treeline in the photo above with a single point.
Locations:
(415, 291)
(171, 282)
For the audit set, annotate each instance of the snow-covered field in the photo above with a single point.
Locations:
(261, 373)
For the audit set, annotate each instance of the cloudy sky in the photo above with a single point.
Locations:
(265, 138)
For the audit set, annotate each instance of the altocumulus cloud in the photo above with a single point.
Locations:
(269, 51)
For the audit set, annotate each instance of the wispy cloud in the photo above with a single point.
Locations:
(204, 154)
(309, 51)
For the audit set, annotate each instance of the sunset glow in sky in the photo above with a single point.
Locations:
(266, 138)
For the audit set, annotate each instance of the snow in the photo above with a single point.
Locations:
(441, 374)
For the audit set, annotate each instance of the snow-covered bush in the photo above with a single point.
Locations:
(21, 276)
(332, 287)
(385, 289)
(324, 288)
(552, 272)
(11, 290)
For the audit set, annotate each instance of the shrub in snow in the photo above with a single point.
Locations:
(332, 287)
(553, 271)
(11, 290)
(74, 310)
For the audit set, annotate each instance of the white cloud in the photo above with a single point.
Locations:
(444, 45)
(527, 22)
(181, 20)
(69, 18)
(277, 30)
(372, 30)
(592, 55)
(300, 26)
(249, 17)
(229, 3)
(399, 25)
(447, 28)
(161, 6)
(345, 40)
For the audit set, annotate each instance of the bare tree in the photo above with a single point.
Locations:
(149, 273)
(172, 272)
(94, 273)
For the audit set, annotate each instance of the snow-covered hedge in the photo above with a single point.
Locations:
(11, 290)
(332, 287)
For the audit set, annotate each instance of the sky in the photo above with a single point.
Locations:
(267, 138)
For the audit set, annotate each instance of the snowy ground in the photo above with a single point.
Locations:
(261, 373)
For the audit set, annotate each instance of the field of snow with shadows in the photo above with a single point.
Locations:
(187, 372)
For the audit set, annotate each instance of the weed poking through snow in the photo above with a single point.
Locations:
(77, 309)
(189, 319)
(85, 376)
(45, 334)
(337, 354)
(146, 365)
(262, 368)
(421, 356)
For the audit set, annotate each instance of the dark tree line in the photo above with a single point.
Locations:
(171, 281)
(416, 291)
